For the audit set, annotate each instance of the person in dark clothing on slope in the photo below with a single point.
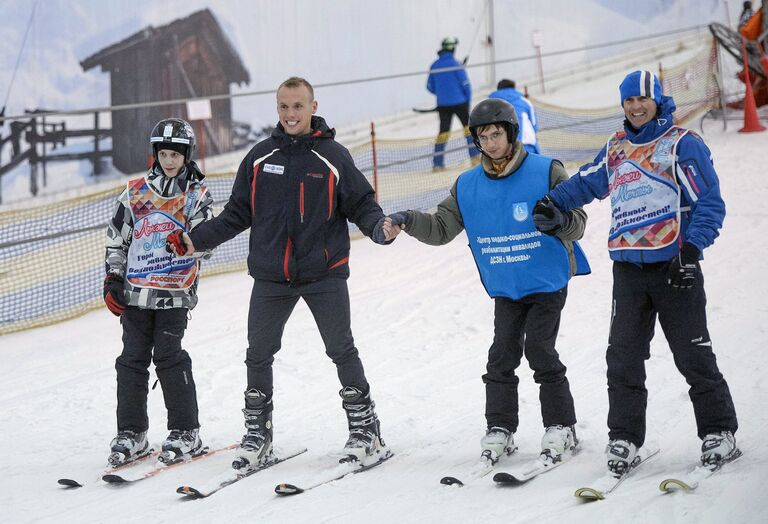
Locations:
(295, 191)
(454, 93)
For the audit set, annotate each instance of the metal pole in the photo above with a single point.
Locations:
(201, 133)
(375, 164)
(492, 44)
(96, 163)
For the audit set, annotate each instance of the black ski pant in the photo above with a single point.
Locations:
(446, 116)
(529, 327)
(154, 335)
(640, 293)
(272, 304)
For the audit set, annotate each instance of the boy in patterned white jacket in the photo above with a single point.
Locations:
(151, 290)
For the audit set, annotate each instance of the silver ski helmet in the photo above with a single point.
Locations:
(174, 134)
(493, 111)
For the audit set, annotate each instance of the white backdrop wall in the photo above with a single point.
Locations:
(329, 41)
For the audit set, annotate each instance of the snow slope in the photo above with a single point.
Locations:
(423, 325)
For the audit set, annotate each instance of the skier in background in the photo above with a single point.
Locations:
(296, 192)
(529, 284)
(152, 292)
(454, 93)
(746, 14)
(526, 114)
(666, 209)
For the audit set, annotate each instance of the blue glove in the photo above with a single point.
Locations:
(547, 217)
(683, 269)
(401, 218)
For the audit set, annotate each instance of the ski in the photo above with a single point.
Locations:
(424, 110)
(533, 468)
(690, 480)
(480, 469)
(155, 468)
(149, 453)
(609, 482)
(230, 477)
(345, 467)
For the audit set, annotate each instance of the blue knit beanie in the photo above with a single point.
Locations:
(640, 83)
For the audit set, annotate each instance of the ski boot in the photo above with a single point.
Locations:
(496, 442)
(256, 446)
(364, 444)
(556, 441)
(127, 446)
(718, 448)
(180, 443)
(620, 455)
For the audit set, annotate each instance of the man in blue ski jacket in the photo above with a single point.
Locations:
(666, 209)
(526, 114)
(453, 92)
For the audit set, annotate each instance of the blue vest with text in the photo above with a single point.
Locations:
(513, 258)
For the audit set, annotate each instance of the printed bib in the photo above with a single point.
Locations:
(154, 218)
(645, 196)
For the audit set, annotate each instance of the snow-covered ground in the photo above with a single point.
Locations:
(423, 325)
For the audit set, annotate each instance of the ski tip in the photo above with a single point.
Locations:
(113, 479)
(288, 489)
(670, 485)
(69, 483)
(504, 478)
(190, 492)
(589, 494)
(451, 481)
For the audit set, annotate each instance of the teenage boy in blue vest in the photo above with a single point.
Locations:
(524, 271)
(665, 209)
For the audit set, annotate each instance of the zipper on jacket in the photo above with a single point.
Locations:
(286, 260)
(253, 189)
(331, 180)
(301, 201)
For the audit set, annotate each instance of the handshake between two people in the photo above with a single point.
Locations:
(388, 227)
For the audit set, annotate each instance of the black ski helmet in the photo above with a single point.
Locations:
(175, 134)
(494, 111)
(449, 43)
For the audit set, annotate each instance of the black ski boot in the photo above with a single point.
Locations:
(256, 446)
(365, 444)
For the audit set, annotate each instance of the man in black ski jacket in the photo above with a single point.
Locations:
(296, 190)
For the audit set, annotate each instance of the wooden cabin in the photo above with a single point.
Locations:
(189, 57)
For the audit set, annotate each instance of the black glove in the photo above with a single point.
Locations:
(378, 235)
(547, 217)
(401, 218)
(682, 270)
(114, 295)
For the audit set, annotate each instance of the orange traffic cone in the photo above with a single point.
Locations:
(751, 119)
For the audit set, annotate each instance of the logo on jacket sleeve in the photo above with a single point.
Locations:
(520, 211)
(272, 168)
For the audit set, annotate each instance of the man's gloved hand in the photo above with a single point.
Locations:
(114, 294)
(547, 217)
(682, 270)
(379, 236)
(176, 239)
(400, 218)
